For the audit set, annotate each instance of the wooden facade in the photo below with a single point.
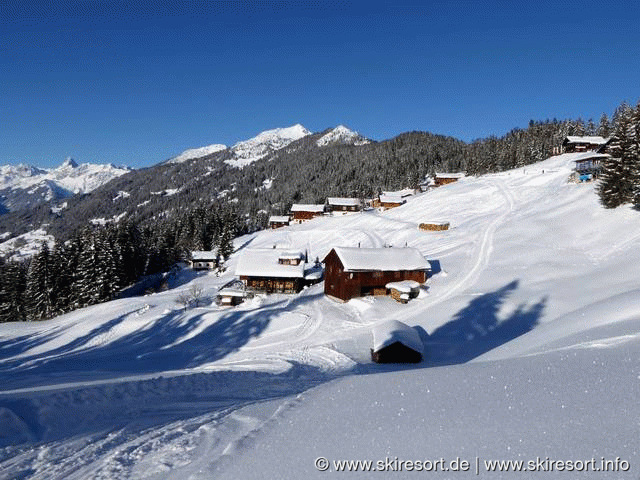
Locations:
(278, 222)
(573, 144)
(436, 226)
(345, 285)
(273, 284)
(441, 179)
(344, 204)
(301, 213)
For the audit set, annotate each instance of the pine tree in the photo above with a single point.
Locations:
(13, 279)
(40, 288)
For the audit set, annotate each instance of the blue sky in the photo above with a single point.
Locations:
(109, 81)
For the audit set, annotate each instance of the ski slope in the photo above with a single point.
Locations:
(531, 321)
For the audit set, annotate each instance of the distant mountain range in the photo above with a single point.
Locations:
(25, 186)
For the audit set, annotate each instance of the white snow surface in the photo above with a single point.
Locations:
(193, 153)
(26, 245)
(343, 135)
(530, 322)
(69, 176)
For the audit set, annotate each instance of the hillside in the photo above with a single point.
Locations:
(531, 321)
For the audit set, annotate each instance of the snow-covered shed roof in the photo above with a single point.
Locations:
(407, 192)
(405, 286)
(356, 259)
(594, 140)
(449, 175)
(202, 255)
(232, 292)
(278, 219)
(582, 156)
(263, 262)
(346, 202)
(392, 199)
(389, 332)
(305, 207)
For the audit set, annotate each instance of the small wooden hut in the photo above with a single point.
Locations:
(204, 259)
(443, 178)
(303, 212)
(396, 342)
(340, 204)
(278, 221)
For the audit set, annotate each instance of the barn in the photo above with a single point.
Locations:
(356, 272)
(278, 221)
(396, 342)
(442, 178)
(302, 212)
(389, 201)
(341, 204)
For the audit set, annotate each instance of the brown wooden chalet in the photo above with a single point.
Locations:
(302, 212)
(274, 270)
(396, 342)
(388, 201)
(339, 204)
(441, 178)
(278, 221)
(584, 144)
(356, 272)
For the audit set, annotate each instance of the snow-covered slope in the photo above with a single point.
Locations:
(342, 135)
(193, 153)
(25, 186)
(531, 322)
(248, 151)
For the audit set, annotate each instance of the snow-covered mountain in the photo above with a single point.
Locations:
(25, 186)
(343, 135)
(194, 153)
(248, 151)
(530, 322)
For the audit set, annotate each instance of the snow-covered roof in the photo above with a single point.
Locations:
(391, 331)
(381, 259)
(405, 286)
(204, 255)
(407, 192)
(231, 292)
(263, 262)
(595, 140)
(582, 156)
(291, 254)
(305, 207)
(342, 201)
(278, 219)
(391, 199)
(449, 175)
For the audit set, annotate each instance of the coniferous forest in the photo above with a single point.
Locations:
(90, 264)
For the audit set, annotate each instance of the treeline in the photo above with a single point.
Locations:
(620, 176)
(99, 261)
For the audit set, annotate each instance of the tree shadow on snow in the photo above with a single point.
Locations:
(176, 341)
(476, 329)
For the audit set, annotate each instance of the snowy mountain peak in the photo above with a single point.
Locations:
(69, 163)
(341, 134)
(248, 151)
(197, 153)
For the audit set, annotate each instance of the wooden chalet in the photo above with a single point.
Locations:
(442, 178)
(303, 212)
(584, 144)
(340, 204)
(204, 260)
(278, 221)
(396, 342)
(589, 164)
(388, 201)
(356, 272)
(274, 270)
